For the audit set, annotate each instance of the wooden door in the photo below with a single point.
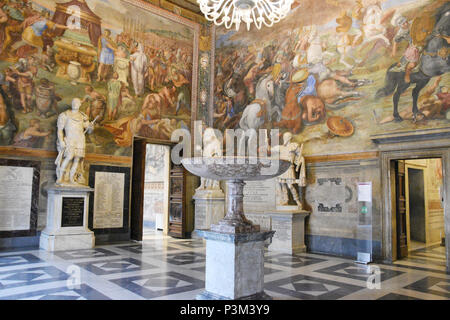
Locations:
(137, 190)
(402, 242)
(177, 202)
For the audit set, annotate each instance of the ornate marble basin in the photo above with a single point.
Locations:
(234, 170)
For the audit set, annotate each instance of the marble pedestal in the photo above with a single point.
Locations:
(67, 219)
(209, 208)
(234, 265)
(289, 227)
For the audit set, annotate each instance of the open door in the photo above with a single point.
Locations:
(402, 238)
(137, 189)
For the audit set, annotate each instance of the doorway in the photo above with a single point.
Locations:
(417, 200)
(150, 187)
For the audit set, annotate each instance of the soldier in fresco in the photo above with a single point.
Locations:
(26, 73)
(106, 49)
(411, 56)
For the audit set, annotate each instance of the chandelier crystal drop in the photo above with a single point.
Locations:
(259, 12)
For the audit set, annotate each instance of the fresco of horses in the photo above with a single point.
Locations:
(333, 68)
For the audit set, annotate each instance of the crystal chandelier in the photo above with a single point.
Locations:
(259, 12)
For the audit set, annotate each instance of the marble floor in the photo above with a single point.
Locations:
(164, 268)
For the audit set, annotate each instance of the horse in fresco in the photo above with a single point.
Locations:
(261, 109)
(435, 61)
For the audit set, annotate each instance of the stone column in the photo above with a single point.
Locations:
(234, 265)
(67, 219)
(289, 227)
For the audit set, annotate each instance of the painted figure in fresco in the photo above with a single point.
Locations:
(122, 64)
(32, 136)
(411, 56)
(72, 126)
(97, 103)
(345, 42)
(372, 25)
(7, 127)
(114, 90)
(291, 152)
(435, 61)
(12, 27)
(139, 64)
(106, 48)
(34, 28)
(26, 73)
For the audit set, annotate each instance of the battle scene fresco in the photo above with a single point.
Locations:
(336, 72)
(131, 64)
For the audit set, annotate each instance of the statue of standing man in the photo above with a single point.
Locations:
(291, 152)
(71, 144)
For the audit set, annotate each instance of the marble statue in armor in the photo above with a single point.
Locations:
(212, 147)
(292, 152)
(71, 144)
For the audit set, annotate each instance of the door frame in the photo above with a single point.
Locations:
(388, 232)
(137, 199)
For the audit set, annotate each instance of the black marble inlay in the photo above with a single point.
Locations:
(358, 271)
(191, 243)
(36, 165)
(30, 276)
(291, 261)
(18, 259)
(104, 267)
(139, 248)
(72, 212)
(432, 285)
(85, 253)
(182, 258)
(306, 287)
(396, 296)
(84, 292)
(160, 284)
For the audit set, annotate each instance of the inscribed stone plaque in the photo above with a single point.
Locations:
(108, 200)
(72, 212)
(15, 197)
(260, 196)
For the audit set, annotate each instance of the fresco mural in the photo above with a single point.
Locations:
(336, 72)
(134, 66)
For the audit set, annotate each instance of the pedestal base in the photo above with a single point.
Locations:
(67, 219)
(289, 227)
(234, 265)
(66, 241)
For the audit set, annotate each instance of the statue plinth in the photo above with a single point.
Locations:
(67, 219)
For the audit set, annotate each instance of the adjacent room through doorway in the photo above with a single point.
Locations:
(419, 210)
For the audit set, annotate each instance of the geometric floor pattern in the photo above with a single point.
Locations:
(164, 268)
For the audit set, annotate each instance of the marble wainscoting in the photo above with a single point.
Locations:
(332, 197)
